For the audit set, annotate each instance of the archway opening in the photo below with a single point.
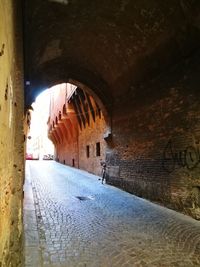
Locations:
(74, 122)
(76, 119)
(38, 145)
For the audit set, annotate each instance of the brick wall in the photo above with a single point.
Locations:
(90, 136)
(73, 153)
(67, 153)
(81, 124)
(155, 151)
(11, 134)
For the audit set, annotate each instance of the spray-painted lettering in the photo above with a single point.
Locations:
(188, 157)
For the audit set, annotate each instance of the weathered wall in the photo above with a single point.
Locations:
(156, 140)
(11, 134)
(65, 142)
(67, 152)
(89, 136)
(79, 124)
(70, 150)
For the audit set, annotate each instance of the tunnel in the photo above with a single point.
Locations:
(137, 62)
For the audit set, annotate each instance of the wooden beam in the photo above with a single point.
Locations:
(76, 111)
(90, 106)
(81, 112)
(84, 104)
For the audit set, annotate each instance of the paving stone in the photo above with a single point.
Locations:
(105, 227)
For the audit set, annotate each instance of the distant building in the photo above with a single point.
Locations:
(76, 126)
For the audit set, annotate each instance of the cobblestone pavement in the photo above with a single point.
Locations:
(82, 223)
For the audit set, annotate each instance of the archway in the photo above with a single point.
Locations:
(77, 119)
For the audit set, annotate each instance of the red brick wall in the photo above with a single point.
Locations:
(156, 142)
(71, 139)
(90, 136)
(59, 95)
(67, 152)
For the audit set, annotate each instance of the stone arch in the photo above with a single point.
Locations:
(59, 71)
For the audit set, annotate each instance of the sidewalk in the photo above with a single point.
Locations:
(32, 246)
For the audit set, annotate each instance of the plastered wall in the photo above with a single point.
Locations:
(11, 134)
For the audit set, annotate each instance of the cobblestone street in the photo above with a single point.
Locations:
(71, 219)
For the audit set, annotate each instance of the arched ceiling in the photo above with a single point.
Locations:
(108, 45)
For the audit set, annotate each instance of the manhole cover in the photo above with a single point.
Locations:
(85, 197)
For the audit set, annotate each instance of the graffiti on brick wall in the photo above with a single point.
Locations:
(189, 157)
(2, 50)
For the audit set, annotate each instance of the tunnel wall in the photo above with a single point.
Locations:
(11, 134)
(155, 150)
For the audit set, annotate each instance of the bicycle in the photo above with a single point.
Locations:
(103, 164)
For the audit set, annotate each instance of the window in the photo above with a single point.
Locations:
(98, 149)
(88, 151)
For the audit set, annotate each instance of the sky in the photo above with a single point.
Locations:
(38, 127)
(40, 115)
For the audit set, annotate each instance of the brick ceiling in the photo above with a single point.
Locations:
(110, 46)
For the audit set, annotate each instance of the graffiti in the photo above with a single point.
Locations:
(2, 50)
(174, 158)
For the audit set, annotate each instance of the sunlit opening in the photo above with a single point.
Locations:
(38, 144)
(68, 126)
